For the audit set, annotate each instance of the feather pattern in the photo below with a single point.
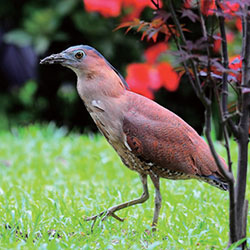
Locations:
(158, 136)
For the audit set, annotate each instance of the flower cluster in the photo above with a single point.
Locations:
(143, 78)
(146, 78)
(208, 7)
(113, 8)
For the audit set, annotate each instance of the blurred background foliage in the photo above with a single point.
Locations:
(33, 29)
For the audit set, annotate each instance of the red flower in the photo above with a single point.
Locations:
(169, 78)
(107, 8)
(112, 8)
(207, 7)
(235, 63)
(139, 3)
(231, 8)
(153, 52)
(136, 7)
(145, 78)
(139, 79)
(217, 44)
(188, 4)
(238, 24)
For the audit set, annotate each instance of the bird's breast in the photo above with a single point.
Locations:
(110, 127)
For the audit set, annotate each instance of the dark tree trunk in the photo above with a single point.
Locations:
(240, 189)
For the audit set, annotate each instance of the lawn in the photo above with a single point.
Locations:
(51, 180)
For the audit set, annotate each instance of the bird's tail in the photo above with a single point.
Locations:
(215, 181)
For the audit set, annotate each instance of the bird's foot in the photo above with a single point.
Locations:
(109, 212)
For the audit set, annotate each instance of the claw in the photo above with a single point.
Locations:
(92, 226)
(110, 213)
(107, 213)
(94, 220)
(94, 217)
(117, 217)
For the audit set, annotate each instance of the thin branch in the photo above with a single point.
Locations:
(224, 85)
(224, 96)
(184, 62)
(204, 31)
(228, 175)
(232, 210)
(224, 59)
(226, 136)
(156, 4)
(199, 91)
(224, 99)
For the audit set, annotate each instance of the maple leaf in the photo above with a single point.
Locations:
(149, 29)
(235, 64)
(190, 14)
(130, 24)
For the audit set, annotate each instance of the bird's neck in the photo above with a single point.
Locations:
(99, 85)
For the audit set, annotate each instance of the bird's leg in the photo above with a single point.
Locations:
(156, 181)
(111, 211)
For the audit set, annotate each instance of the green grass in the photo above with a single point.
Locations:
(50, 181)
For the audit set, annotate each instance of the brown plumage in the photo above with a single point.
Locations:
(150, 139)
(157, 135)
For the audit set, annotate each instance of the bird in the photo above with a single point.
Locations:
(150, 139)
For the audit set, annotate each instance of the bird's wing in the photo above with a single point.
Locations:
(157, 135)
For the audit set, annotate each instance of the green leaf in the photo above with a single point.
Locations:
(41, 44)
(18, 37)
(26, 94)
(91, 23)
(65, 7)
(61, 36)
(42, 21)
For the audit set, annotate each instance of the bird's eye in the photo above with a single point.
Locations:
(79, 55)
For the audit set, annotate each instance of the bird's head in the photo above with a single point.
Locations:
(72, 57)
(77, 58)
(86, 62)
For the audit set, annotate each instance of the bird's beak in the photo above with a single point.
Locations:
(60, 58)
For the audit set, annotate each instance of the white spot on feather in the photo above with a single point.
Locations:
(97, 104)
(126, 143)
